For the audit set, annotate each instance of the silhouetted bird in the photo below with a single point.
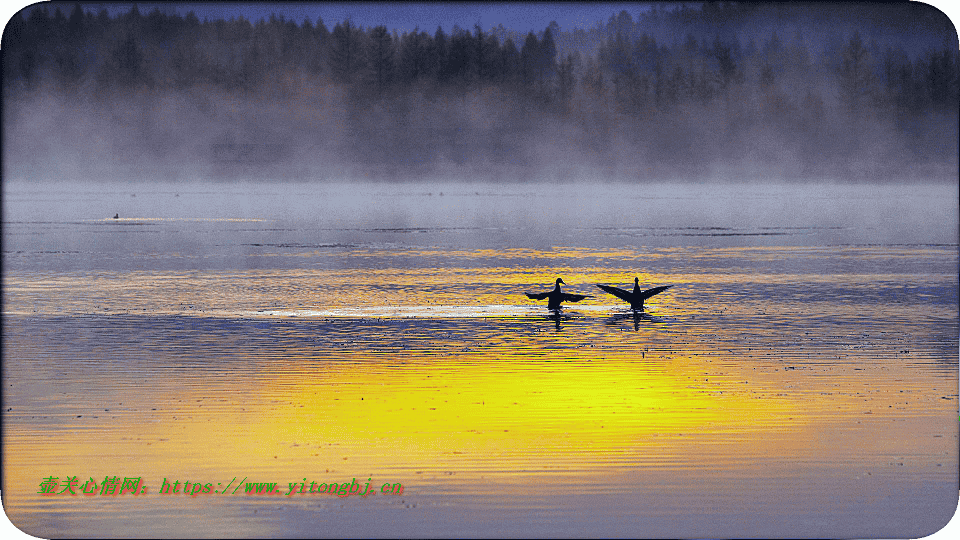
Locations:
(555, 296)
(116, 216)
(636, 296)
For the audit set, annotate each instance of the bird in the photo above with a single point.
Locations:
(116, 216)
(636, 296)
(555, 296)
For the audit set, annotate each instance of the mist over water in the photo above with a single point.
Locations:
(242, 220)
(311, 133)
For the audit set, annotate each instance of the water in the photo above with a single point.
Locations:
(798, 379)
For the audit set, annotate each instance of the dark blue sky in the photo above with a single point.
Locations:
(407, 15)
(520, 16)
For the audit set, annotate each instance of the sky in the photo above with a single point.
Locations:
(405, 16)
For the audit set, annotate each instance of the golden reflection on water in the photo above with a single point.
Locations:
(479, 416)
(736, 375)
(235, 292)
(492, 413)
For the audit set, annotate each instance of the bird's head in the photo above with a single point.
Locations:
(560, 282)
(636, 281)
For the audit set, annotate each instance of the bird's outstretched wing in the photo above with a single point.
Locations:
(656, 290)
(619, 293)
(567, 297)
(537, 296)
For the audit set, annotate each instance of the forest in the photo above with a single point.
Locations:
(713, 91)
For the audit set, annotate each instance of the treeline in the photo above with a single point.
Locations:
(680, 86)
(167, 50)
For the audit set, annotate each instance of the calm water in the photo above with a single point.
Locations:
(799, 379)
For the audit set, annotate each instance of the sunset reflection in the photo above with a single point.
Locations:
(763, 376)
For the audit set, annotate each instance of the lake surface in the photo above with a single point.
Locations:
(798, 380)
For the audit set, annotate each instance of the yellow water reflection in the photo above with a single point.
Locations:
(473, 414)
(414, 418)
(205, 376)
(480, 418)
